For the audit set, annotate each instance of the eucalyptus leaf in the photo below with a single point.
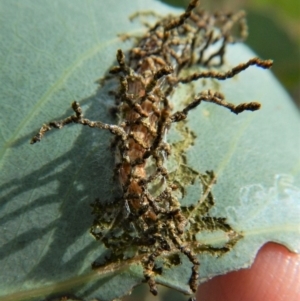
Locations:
(52, 52)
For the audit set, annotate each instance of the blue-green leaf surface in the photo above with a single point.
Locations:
(52, 52)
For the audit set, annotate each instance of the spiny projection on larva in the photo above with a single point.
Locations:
(148, 220)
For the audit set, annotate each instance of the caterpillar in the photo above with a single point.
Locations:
(150, 219)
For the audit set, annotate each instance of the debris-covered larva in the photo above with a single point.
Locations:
(155, 222)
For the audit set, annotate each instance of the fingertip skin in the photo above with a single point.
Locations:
(274, 276)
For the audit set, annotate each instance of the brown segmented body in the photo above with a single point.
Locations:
(154, 221)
